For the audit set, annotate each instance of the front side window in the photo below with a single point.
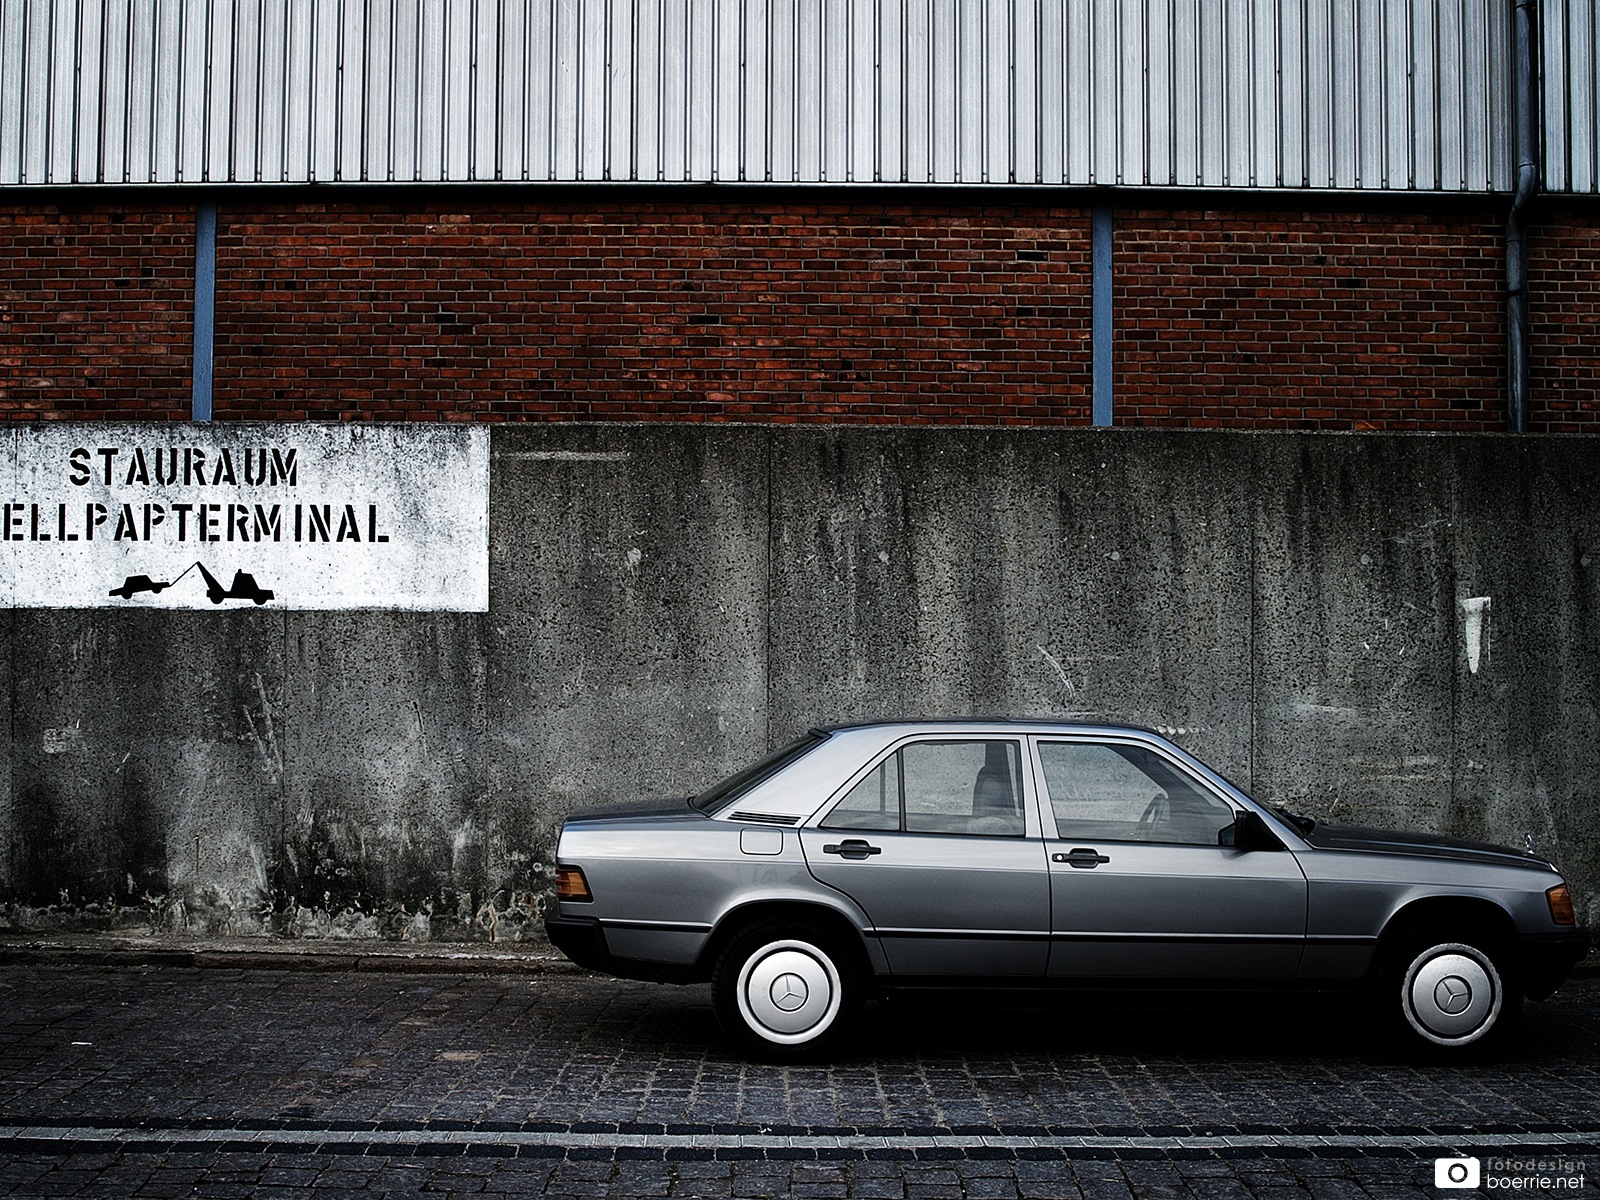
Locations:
(1126, 793)
(967, 786)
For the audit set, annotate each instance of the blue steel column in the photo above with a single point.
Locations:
(205, 304)
(1101, 288)
(1519, 337)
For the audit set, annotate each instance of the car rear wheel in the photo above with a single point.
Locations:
(785, 991)
(1447, 990)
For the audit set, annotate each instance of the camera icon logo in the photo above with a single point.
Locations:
(1457, 1173)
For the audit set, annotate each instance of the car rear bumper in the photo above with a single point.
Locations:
(583, 940)
(1548, 958)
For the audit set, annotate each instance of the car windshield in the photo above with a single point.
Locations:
(736, 785)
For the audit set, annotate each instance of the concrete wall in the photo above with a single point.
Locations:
(1380, 628)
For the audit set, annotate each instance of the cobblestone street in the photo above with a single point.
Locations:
(162, 1081)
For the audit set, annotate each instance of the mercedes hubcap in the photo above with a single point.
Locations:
(789, 992)
(1452, 994)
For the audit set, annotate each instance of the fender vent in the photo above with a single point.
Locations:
(756, 818)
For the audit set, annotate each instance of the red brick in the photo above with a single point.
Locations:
(694, 311)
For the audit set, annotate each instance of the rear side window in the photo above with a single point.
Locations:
(963, 786)
(874, 803)
(735, 786)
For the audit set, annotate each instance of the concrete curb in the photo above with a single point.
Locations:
(286, 955)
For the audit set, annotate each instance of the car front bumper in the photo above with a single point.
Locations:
(1548, 958)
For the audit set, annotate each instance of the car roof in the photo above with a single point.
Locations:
(839, 751)
(1008, 724)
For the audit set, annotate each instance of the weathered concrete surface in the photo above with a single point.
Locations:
(1354, 627)
(385, 796)
(1389, 629)
(7, 816)
(135, 767)
(1425, 638)
(627, 623)
(1528, 719)
(957, 572)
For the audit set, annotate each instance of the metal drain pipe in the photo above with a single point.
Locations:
(1525, 89)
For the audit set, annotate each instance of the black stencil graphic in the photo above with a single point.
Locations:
(138, 583)
(243, 587)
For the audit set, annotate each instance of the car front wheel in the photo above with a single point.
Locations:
(1447, 991)
(785, 991)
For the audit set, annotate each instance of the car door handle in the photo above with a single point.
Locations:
(1081, 856)
(852, 848)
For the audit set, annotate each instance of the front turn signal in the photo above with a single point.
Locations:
(1560, 898)
(571, 885)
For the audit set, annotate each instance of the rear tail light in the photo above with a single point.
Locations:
(571, 885)
(1560, 898)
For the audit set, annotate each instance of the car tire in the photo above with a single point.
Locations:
(1447, 991)
(786, 991)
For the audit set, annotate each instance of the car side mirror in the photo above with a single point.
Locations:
(1248, 832)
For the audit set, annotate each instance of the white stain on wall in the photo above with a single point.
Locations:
(62, 741)
(1475, 630)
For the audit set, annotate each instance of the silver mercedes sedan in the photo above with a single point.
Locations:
(1027, 854)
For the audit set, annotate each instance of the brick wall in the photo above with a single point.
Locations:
(408, 306)
(96, 311)
(1336, 320)
(677, 312)
(1564, 313)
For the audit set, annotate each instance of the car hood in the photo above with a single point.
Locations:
(1431, 845)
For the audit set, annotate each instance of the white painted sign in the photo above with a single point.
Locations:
(219, 516)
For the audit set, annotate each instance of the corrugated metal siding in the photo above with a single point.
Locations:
(1347, 94)
(1571, 36)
